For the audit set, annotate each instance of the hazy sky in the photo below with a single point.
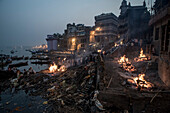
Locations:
(27, 22)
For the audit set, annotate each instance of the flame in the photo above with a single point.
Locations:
(99, 51)
(123, 60)
(126, 64)
(62, 68)
(121, 43)
(140, 81)
(116, 45)
(141, 53)
(142, 57)
(53, 68)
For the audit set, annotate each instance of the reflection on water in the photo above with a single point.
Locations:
(20, 101)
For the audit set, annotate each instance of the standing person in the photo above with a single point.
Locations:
(18, 74)
(31, 71)
(86, 60)
(11, 72)
(102, 55)
(90, 57)
(25, 72)
(2, 63)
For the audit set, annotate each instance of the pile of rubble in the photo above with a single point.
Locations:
(72, 90)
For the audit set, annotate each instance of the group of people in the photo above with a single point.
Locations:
(17, 73)
(86, 59)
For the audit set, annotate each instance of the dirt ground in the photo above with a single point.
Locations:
(118, 97)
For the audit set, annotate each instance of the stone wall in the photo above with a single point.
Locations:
(164, 71)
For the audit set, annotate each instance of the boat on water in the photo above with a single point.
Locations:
(39, 58)
(20, 64)
(12, 51)
(40, 51)
(26, 58)
(41, 62)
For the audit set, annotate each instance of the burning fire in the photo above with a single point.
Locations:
(140, 81)
(116, 44)
(62, 68)
(142, 57)
(123, 59)
(126, 64)
(99, 51)
(53, 68)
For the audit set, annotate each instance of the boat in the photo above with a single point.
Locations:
(26, 58)
(41, 62)
(20, 64)
(17, 58)
(12, 51)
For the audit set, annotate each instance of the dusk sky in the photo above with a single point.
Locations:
(27, 22)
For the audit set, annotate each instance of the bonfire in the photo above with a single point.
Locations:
(53, 68)
(141, 57)
(126, 64)
(140, 81)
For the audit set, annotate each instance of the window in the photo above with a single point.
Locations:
(157, 34)
(163, 38)
(167, 37)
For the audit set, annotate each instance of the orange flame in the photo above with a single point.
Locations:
(123, 60)
(142, 57)
(141, 53)
(62, 68)
(53, 68)
(116, 45)
(140, 81)
(126, 64)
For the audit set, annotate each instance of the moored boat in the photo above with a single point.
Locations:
(18, 64)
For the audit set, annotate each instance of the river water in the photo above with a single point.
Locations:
(21, 51)
(20, 102)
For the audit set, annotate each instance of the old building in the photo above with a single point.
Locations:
(77, 36)
(56, 42)
(133, 21)
(105, 28)
(51, 42)
(161, 38)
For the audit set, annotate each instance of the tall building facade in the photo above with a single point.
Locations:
(133, 21)
(161, 38)
(106, 28)
(77, 36)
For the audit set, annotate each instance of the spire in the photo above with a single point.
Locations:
(123, 7)
(144, 3)
(129, 4)
(124, 4)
